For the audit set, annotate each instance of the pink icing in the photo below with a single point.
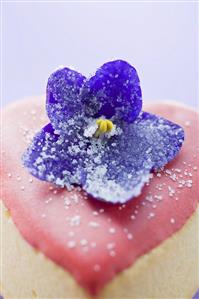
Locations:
(92, 240)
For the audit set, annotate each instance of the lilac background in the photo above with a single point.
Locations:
(159, 39)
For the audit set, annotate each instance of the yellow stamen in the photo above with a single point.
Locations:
(109, 125)
(104, 126)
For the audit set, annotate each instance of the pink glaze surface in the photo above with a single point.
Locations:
(93, 240)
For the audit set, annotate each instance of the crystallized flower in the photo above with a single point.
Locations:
(98, 137)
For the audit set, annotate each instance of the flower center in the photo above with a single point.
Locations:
(104, 126)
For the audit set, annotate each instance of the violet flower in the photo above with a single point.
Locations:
(98, 137)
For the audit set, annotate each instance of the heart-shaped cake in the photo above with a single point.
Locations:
(80, 247)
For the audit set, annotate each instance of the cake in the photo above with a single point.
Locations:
(63, 244)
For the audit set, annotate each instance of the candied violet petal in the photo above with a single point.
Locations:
(164, 137)
(63, 101)
(122, 165)
(114, 91)
(55, 158)
(110, 168)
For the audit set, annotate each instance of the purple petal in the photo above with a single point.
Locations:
(113, 169)
(196, 296)
(55, 158)
(123, 163)
(114, 91)
(164, 138)
(63, 101)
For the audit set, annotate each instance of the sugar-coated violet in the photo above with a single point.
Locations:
(113, 166)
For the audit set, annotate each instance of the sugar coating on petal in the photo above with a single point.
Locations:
(114, 92)
(56, 158)
(63, 101)
(112, 169)
(126, 160)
